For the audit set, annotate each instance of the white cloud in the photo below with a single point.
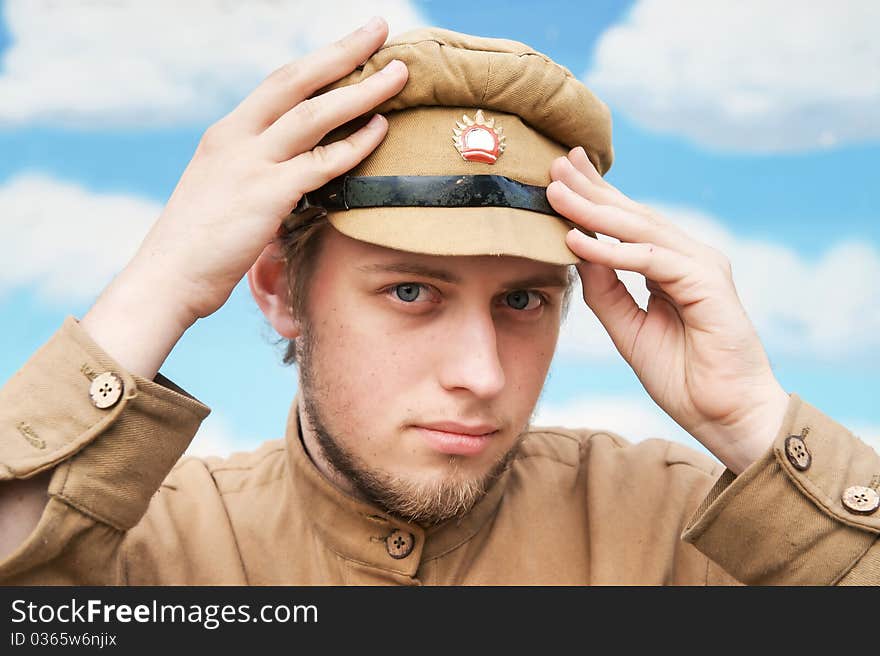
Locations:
(635, 418)
(755, 75)
(150, 63)
(869, 434)
(638, 418)
(67, 243)
(826, 307)
(823, 307)
(216, 437)
(64, 240)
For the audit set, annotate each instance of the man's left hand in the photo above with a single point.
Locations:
(694, 349)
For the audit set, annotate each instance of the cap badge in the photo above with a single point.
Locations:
(477, 139)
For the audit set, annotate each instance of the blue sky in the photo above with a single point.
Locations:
(754, 132)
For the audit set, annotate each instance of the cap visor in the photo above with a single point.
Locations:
(460, 231)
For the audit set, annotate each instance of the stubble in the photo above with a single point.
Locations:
(423, 502)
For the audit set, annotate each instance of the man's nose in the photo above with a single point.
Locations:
(469, 356)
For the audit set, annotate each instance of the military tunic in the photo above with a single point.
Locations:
(575, 507)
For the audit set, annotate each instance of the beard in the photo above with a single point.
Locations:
(426, 503)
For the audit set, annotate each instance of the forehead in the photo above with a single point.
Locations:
(364, 259)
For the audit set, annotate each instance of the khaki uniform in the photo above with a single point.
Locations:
(575, 507)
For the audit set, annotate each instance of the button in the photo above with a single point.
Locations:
(861, 500)
(797, 453)
(400, 544)
(106, 390)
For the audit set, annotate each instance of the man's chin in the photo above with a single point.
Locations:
(428, 487)
(449, 490)
(427, 501)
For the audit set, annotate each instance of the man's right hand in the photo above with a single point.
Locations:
(249, 170)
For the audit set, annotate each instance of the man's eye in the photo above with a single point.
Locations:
(408, 292)
(524, 300)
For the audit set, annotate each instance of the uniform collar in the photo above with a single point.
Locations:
(360, 531)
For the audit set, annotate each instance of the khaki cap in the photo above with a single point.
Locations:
(470, 100)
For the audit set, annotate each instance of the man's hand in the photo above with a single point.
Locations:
(694, 349)
(249, 171)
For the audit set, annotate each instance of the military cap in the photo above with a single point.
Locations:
(464, 167)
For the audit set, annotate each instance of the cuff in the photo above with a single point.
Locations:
(65, 399)
(790, 518)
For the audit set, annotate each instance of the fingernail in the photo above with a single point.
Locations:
(375, 122)
(392, 67)
(579, 235)
(374, 24)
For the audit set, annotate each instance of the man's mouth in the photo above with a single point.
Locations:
(457, 439)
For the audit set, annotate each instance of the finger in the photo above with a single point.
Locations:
(318, 166)
(297, 80)
(578, 157)
(612, 304)
(575, 178)
(671, 234)
(609, 220)
(304, 125)
(655, 262)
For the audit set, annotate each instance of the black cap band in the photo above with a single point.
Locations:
(354, 192)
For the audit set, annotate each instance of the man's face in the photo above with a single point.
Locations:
(402, 354)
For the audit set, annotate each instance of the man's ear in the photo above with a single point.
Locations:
(269, 285)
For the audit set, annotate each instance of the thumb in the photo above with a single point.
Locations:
(613, 305)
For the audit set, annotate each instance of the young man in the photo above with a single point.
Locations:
(423, 294)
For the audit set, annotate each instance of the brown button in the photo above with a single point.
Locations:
(861, 500)
(400, 544)
(797, 453)
(106, 390)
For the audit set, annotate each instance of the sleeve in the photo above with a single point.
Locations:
(111, 437)
(804, 514)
